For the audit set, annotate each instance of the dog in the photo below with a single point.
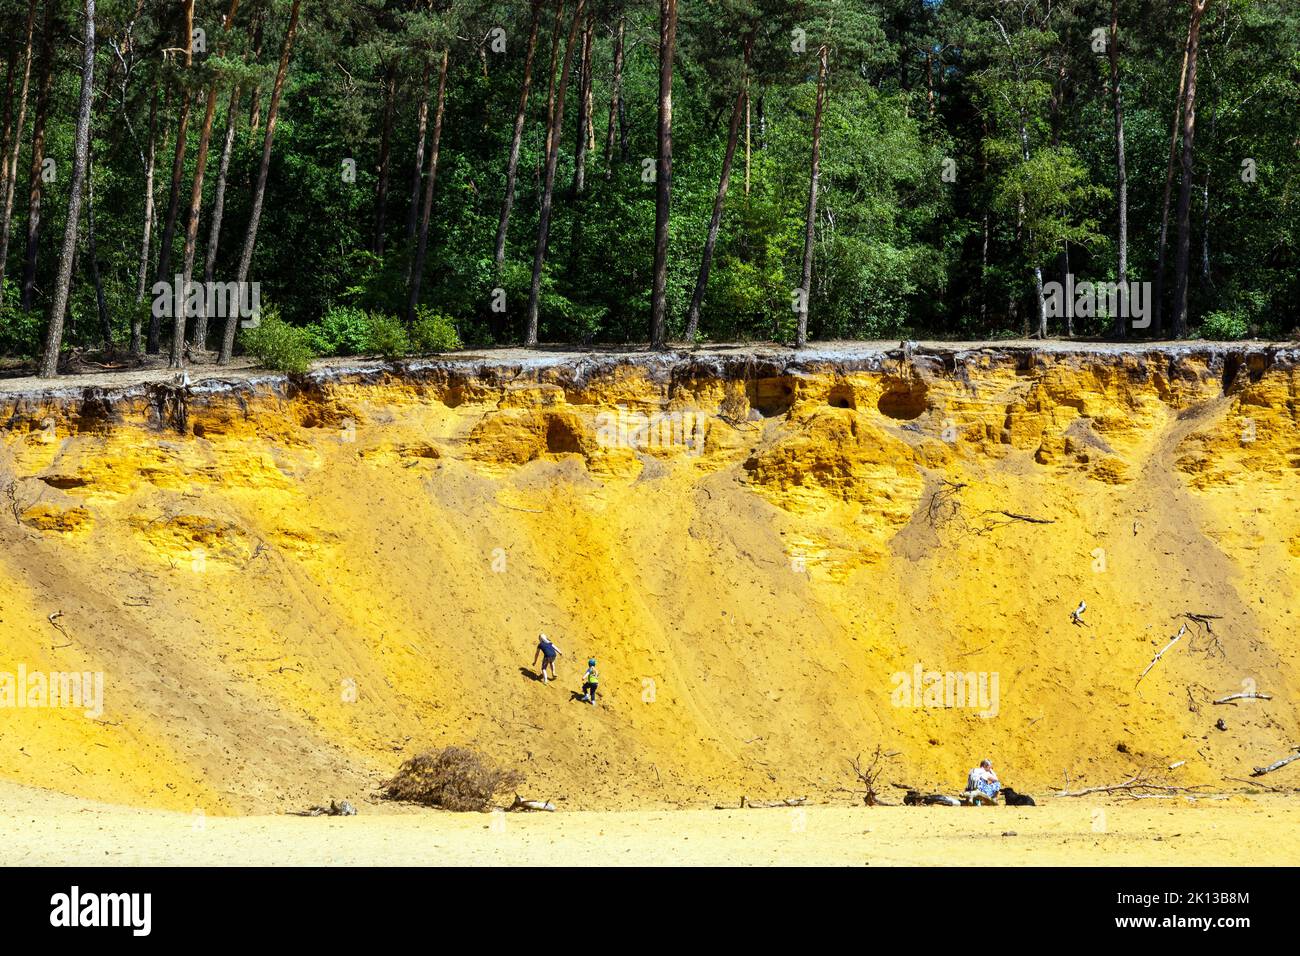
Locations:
(1017, 799)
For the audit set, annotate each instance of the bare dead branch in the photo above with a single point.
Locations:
(1161, 653)
(1142, 782)
(1251, 696)
(869, 775)
(1277, 764)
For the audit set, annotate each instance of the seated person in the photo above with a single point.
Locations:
(982, 783)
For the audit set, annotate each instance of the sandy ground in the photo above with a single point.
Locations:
(43, 829)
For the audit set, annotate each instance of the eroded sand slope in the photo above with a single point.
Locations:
(291, 587)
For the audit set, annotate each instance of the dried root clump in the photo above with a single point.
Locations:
(453, 778)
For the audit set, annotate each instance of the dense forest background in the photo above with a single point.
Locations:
(920, 167)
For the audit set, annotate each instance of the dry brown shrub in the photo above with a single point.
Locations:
(452, 778)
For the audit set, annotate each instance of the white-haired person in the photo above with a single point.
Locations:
(547, 651)
(982, 784)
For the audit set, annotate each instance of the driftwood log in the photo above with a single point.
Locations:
(1140, 781)
(1277, 764)
(1156, 660)
(522, 805)
(765, 804)
(1252, 696)
(340, 809)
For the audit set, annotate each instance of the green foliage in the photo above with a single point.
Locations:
(279, 345)
(1010, 100)
(433, 331)
(1225, 326)
(21, 333)
(343, 330)
(387, 336)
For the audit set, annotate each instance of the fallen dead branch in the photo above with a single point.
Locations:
(1201, 620)
(1260, 786)
(1155, 660)
(1277, 764)
(54, 620)
(521, 804)
(992, 522)
(1204, 625)
(1019, 517)
(769, 804)
(1139, 782)
(339, 809)
(1251, 696)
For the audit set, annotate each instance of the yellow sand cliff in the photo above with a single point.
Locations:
(289, 589)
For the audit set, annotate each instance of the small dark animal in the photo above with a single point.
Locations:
(1017, 799)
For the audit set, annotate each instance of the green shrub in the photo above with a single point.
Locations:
(1225, 326)
(343, 330)
(433, 332)
(279, 345)
(387, 336)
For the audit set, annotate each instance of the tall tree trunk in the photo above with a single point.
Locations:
(591, 114)
(92, 255)
(142, 282)
(664, 176)
(34, 180)
(255, 106)
(9, 158)
(1182, 252)
(984, 269)
(422, 242)
(929, 83)
(6, 139)
(715, 223)
(584, 112)
(174, 197)
(1038, 269)
(1121, 171)
(748, 134)
(556, 126)
(810, 223)
(585, 123)
(557, 31)
(615, 97)
(417, 172)
(54, 333)
(219, 194)
(154, 336)
(1158, 297)
(177, 358)
(1207, 278)
(385, 152)
(512, 165)
(259, 191)
(987, 234)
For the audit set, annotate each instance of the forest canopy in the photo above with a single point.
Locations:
(188, 178)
